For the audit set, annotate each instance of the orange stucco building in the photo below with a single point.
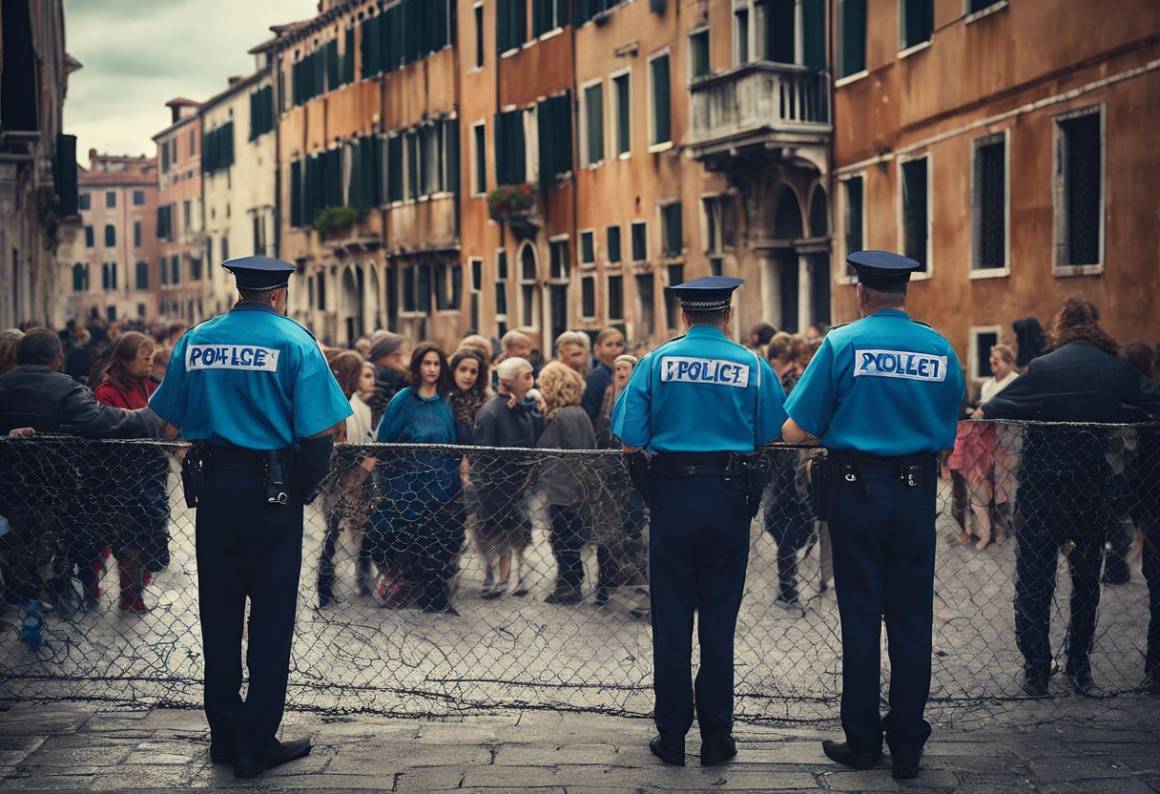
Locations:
(180, 226)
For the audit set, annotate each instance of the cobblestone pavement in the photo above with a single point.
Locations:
(69, 746)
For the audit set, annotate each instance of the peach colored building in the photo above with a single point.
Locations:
(110, 266)
(184, 287)
(1010, 146)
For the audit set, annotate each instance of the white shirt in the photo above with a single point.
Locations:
(990, 388)
(358, 424)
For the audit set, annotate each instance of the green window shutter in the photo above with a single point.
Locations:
(662, 120)
(623, 114)
(347, 74)
(594, 122)
(814, 33)
(330, 50)
(918, 22)
(394, 35)
(413, 164)
(499, 141)
(354, 193)
(395, 168)
(674, 234)
(451, 153)
(371, 47)
(295, 193)
(853, 37)
(545, 111)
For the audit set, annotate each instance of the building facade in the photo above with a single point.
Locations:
(38, 168)
(1008, 146)
(184, 285)
(239, 170)
(109, 264)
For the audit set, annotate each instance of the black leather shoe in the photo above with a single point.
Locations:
(1081, 683)
(1035, 684)
(717, 750)
(840, 753)
(220, 754)
(284, 753)
(669, 749)
(903, 770)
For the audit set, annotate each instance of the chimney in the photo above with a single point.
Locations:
(233, 80)
(92, 157)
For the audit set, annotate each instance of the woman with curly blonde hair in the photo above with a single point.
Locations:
(568, 428)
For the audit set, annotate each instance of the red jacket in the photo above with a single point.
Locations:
(136, 396)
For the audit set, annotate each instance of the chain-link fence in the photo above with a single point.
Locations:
(455, 579)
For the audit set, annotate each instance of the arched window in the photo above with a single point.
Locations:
(819, 213)
(110, 235)
(80, 273)
(787, 218)
(142, 275)
(529, 290)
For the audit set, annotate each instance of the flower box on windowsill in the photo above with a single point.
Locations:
(515, 205)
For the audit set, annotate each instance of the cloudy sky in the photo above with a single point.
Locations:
(139, 54)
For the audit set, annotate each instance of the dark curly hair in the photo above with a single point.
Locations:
(1077, 320)
(420, 352)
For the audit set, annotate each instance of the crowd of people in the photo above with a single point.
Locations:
(412, 513)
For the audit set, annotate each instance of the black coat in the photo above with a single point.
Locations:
(1078, 382)
(52, 402)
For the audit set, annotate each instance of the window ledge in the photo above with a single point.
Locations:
(906, 53)
(984, 12)
(1063, 271)
(657, 148)
(851, 78)
(556, 31)
(921, 275)
(587, 265)
(510, 53)
(990, 272)
(594, 166)
(624, 155)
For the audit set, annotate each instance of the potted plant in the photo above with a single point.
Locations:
(514, 205)
(335, 220)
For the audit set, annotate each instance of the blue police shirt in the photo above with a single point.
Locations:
(250, 378)
(700, 393)
(883, 385)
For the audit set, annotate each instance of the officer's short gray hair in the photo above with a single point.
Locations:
(511, 368)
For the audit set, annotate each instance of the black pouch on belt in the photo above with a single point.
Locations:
(823, 484)
(757, 471)
(192, 474)
(638, 472)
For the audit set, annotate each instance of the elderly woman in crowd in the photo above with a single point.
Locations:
(135, 497)
(508, 420)
(390, 370)
(425, 530)
(568, 427)
(983, 462)
(479, 344)
(349, 498)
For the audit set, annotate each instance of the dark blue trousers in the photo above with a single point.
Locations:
(698, 552)
(884, 568)
(246, 548)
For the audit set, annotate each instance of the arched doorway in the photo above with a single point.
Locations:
(819, 258)
(530, 306)
(351, 304)
(782, 281)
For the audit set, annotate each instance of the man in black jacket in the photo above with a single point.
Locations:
(1067, 492)
(36, 394)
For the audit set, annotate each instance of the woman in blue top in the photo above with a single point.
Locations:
(421, 505)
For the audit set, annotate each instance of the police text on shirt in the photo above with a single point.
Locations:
(247, 357)
(713, 371)
(903, 364)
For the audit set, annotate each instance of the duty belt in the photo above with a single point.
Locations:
(693, 464)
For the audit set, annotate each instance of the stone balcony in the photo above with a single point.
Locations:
(759, 105)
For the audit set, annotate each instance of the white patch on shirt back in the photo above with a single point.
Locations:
(711, 371)
(247, 357)
(904, 364)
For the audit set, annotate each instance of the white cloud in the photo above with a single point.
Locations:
(139, 55)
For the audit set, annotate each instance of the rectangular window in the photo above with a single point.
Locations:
(979, 5)
(511, 28)
(981, 342)
(262, 109)
(853, 217)
(661, 121)
(639, 241)
(477, 13)
(547, 15)
(554, 136)
(479, 158)
(175, 270)
(594, 124)
(621, 86)
(851, 37)
(672, 234)
(917, 20)
(613, 234)
(1079, 194)
(110, 235)
(588, 297)
(676, 274)
(646, 300)
(89, 239)
(699, 54)
(395, 168)
(510, 148)
(559, 265)
(741, 36)
(989, 202)
(186, 216)
(110, 198)
(915, 210)
(615, 298)
(138, 198)
(588, 247)
(136, 234)
(716, 265)
(84, 201)
(501, 284)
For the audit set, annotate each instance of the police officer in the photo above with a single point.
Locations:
(697, 406)
(882, 395)
(252, 390)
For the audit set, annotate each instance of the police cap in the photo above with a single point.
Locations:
(259, 272)
(883, 270)
(708, 294)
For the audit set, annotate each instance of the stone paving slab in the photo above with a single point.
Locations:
(73, 747)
